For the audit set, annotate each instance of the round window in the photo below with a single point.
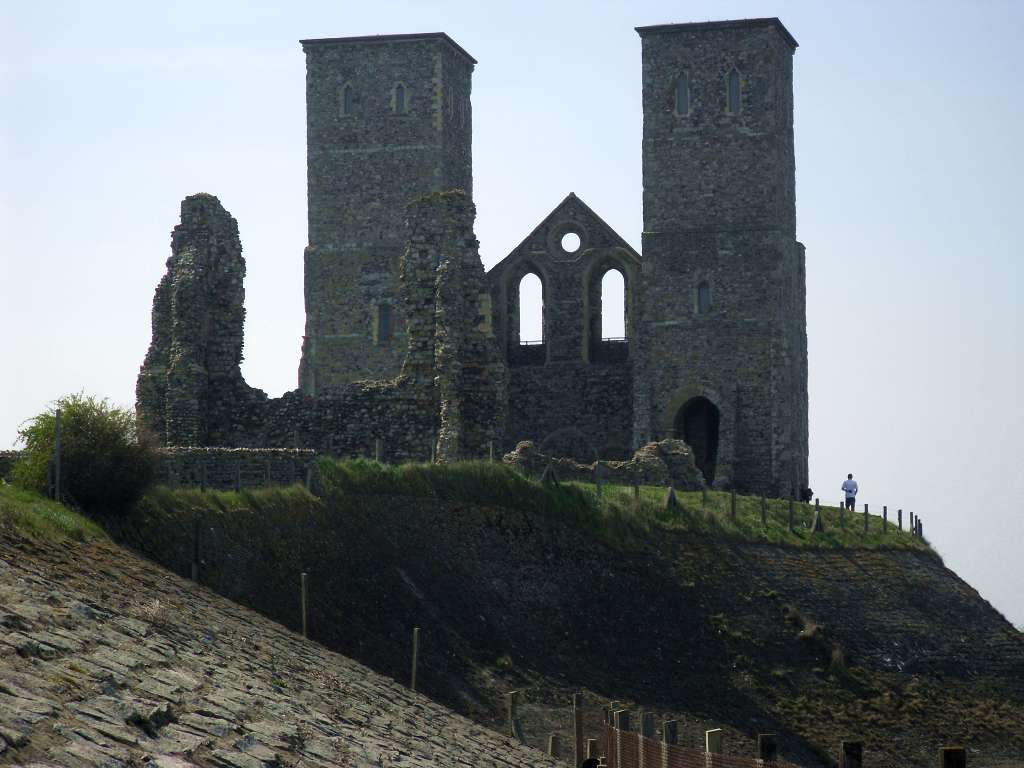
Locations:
(570, 242)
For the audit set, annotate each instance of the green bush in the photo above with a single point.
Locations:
(107, 463)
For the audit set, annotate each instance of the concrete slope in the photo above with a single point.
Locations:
(109, 660)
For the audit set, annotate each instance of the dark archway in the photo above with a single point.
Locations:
(697, 424)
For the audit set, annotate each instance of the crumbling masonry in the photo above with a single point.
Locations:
(411, 349)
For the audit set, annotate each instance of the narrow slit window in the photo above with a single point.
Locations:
(703, 298)
(346, 100)
(383, 323)
(734, 91)
(683, 95)
(400, 99)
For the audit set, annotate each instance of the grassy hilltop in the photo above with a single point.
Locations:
(682, 612)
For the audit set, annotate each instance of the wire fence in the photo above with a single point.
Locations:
(630, 749)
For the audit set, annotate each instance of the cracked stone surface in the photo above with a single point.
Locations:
(108, 660)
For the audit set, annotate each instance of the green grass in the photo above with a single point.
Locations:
(616, 515)
(36, 517)
(714, 517)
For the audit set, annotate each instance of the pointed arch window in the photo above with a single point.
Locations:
(682, 95)
(733, 91)
(401, 99)
(346, 100)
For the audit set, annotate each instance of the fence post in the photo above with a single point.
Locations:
(818, 526)
(851, 754)
(490, 451)
(514, 729)
(767, 747)
(305, 619)
(713, 741)
(790, 515)
(415, 655)
(899, 518)
(865, 518)
(621, 726)
(555, 745)
(842, 514)
(195, 549)
(577, 728)
(669, 736)
(378, 449)
(920, 528)
(646, 732)
(57, 493)
(913, 528)
(952, 757)
(732, 504)
(885, 518)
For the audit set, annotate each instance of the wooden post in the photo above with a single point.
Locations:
(621, 725)
(885, 518)
(378, 449)
(490, 450)
(920, 528)
(767, 747)
(195, 549)
(555, 745)
(669, 736)
(732, 504)
(818, 525)
(713, 741)
(415, 656)
(952, 757)
(57, 491)
(851, 754)
(305, 620)
(790, 515)
(514, 729)
(842, 514)
(899, 519)
(865, 518)
(577, 728)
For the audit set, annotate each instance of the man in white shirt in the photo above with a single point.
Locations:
(850, 488)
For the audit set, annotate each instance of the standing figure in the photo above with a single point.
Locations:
(850, 488)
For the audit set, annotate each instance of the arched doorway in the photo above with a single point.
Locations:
(697, 424)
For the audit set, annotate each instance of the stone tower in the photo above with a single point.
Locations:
(388, 119)
(722, 359)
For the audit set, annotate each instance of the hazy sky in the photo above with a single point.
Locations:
(909, 168)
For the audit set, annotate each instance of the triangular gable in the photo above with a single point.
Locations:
(572, 214)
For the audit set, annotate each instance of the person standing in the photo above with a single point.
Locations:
(850, 489)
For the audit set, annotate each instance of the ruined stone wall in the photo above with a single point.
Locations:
(233, 468)
(571, 394)
(368, 155)
(448, 399)
(720, 304)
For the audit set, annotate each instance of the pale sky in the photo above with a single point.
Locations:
(909, 167)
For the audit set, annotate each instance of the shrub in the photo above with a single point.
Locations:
(107, 463)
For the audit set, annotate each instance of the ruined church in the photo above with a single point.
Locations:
(412, 350)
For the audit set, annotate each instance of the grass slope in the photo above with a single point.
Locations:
(36, 517)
